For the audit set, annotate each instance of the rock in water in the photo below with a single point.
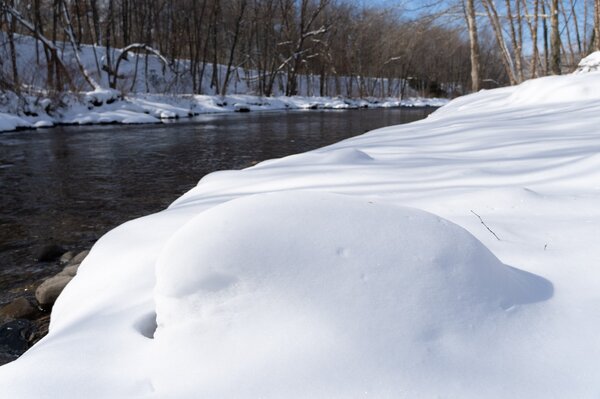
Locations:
(20, 308)
(66, 257)
(50, 289)
(14, 336)
(77, 259)
(70, 270)
(49, 253)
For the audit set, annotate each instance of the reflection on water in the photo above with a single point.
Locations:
(70, 185)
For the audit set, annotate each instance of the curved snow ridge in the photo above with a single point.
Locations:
(591, 63)
(305, 294)
(331, 156)
(535, 93)
(10, 122)
(556, 89)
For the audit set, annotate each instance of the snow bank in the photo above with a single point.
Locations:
(109, 106)
(12, 122)
(99, 97)
(555, 89)
(314, 276)
(591, 63)
(146, 80)
(300, 294)
(545, 95)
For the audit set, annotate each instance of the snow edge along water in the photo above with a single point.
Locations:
(104, 106)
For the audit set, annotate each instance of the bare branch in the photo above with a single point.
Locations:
(486, 226)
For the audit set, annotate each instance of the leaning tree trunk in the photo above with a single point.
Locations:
(507, 60)
(69, 31)
(123, 56)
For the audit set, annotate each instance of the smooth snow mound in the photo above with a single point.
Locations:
(555, 89)
(11, 122)
(591, 63)
(317, 295)
(536, 95)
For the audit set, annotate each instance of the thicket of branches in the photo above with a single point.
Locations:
(279, 43)
(336, 43)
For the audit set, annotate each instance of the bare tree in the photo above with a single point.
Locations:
(474, 44)
(234, 40)
(60, 69)
(69, 30)
(507, 59)
(596, 41)
(555, 67)
(516, 40)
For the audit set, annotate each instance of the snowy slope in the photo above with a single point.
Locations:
(359, 269)
(146, 73)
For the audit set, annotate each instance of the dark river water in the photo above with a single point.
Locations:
(71, 184)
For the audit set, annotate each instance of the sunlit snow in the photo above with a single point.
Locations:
(357, 270)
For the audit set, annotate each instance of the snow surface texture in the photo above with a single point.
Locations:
(314, 276)
(313, 295)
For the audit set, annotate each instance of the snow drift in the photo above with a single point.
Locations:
(300, 294)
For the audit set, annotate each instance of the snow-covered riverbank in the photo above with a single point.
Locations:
(154, 93)
(108, 106)
(455, 256)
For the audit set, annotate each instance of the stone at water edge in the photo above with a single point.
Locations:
(15, 336)
(20, 308)
(77, 259)
(66, 257)
(241, 107)
(49, 253)
(50, 289)
(47, 293)
(70, 270)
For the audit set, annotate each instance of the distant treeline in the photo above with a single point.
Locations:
(338, 43)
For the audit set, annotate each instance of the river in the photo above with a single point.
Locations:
(71, 184)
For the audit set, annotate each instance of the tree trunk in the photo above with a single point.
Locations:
(236, 34)
(507, 60)
(545, 30)
(516, 44)
(597, 25)
(474, 45)
(13, 52)
(555, 45)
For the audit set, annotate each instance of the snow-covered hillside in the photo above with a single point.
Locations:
(453, 257)
(150, 91)
(142, 72)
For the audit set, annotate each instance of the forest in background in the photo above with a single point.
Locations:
(444, 48)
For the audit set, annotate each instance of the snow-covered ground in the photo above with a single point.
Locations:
(140, 72)
(109, 106)
(362, 269)
(150, 92)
